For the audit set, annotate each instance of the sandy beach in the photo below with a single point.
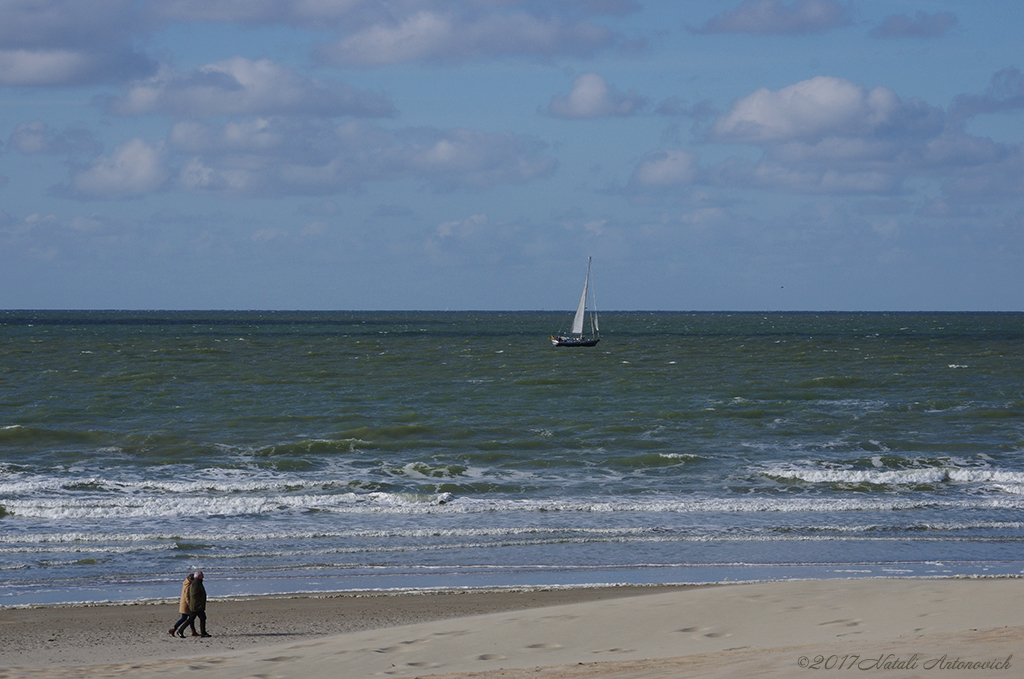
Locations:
(894, 628)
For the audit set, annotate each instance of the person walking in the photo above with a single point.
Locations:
(197, 603)
(183, 609)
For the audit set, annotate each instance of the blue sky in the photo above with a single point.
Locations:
(471, 154)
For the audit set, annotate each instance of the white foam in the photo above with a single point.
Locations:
(899, 477)
(141, 506)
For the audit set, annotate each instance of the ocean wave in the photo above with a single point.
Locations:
(72, 541)
(444, 503)
(223, 483)
(997, 479)
(286, 553)
(28, 547)
(266, 536)
(234, 505)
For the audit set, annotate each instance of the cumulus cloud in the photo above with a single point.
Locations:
(273, 156)
(821, 107)
(592, 97)
(133, 169)
(69, 42)
(830, 136)
(240, 86)
(922, 25)
(774, 17)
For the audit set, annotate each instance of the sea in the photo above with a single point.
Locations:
(287, 452)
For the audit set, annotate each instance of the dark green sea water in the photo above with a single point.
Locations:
(312, 451)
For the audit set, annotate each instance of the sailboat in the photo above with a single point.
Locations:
(576, 337)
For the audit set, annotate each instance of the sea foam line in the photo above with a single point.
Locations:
(98, 508)
(930, 476)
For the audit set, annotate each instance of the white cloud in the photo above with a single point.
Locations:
(592, 97)
(240, 86)
(830, 136)
(133, 169)
(819, 107)
(774, 17)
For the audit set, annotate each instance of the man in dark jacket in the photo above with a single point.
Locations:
(197, 603)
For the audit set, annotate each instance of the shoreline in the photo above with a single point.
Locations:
(234, 585)
(647, 631)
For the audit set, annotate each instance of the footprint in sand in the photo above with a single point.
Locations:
(491, 656)
(716, 635)
(691, 630)
(848, 622)
(544, 646)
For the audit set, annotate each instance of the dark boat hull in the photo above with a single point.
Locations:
(562, 341)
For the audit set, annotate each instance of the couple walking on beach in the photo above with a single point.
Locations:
(192, 605)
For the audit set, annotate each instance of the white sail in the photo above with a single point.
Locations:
(577, 321)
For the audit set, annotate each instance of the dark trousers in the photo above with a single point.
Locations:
(202, 621)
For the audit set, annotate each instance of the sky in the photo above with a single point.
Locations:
(750, 155)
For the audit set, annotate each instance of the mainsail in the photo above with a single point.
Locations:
(581, 310)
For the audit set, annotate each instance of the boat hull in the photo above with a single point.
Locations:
(562, 341)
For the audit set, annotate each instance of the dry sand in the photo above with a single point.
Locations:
(890, 628)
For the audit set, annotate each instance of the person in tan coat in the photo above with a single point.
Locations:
(185, 609)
